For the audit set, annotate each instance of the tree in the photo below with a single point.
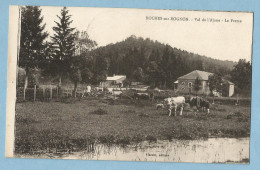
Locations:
(197, 85)
(75, 73)
(63, 42)
(241, 74)
(127, 82)
(154, 73)
(32, 40)
(100, 69)
(139, 74)
(83, 43)
(215, 83)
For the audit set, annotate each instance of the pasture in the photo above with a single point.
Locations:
(74, 125)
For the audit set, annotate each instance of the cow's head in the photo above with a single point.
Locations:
(168, 101)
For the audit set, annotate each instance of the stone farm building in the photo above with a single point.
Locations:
(116, 81)
(184, 84)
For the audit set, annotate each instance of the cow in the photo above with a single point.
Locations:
(199, 102)
(174, 102)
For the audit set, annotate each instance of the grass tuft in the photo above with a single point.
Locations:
(99, 112)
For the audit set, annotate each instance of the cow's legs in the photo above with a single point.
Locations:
(175, 109)
(208, 110)
(170, 111)
(181, 110)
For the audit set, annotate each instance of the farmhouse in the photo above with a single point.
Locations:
(115, 81)
(184, 84)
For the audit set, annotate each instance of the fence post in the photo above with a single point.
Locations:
(34, 93)
(51, 94)
(43, 93)
(57, 92)
(24, 89)
(237, 101)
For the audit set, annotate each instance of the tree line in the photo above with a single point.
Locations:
(72, 55)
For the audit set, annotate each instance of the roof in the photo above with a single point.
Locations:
(116, 77)
(203, 75)
(227, 82)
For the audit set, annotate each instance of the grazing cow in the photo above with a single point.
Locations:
(199, 102)
(174, 102)
(117, 93)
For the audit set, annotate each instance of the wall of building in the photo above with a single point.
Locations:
(184, 87)
(231, 90)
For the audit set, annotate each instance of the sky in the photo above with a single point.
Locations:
(193, 31)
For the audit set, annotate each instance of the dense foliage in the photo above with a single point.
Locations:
(32, 44)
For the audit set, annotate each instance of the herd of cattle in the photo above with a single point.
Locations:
(175, 102)
(171, 103)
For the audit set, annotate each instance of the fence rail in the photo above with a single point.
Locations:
(42, 93)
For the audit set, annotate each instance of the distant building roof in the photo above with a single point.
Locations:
(116, 77)
(227, 82)
(203, 75)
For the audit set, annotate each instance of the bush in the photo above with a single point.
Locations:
(143, 115)
(151, 138)
(123, 141)
(99, 112)
(108, 139)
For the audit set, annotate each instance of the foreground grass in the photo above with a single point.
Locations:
(48, 127)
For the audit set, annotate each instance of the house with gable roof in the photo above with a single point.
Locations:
(184, 84)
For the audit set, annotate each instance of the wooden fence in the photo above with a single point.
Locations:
(45, 93)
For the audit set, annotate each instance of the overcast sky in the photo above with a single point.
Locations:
(220, 40)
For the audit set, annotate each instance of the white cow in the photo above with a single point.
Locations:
(174, 102)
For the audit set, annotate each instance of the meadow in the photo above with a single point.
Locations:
(72, 124)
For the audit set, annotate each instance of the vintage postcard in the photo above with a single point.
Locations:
(129, 84)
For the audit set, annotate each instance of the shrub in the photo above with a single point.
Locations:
(107, 139)
(123, 141)
(99, 112)
(151, 138)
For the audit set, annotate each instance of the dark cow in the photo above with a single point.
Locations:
(199, 102)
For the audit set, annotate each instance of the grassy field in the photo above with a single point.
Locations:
(74, 125)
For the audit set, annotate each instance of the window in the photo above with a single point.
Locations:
(190, 84)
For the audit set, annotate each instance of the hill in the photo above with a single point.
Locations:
(153, 62)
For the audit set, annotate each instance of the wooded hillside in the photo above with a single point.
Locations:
(153, 62)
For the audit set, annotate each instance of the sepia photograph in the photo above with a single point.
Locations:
(128, 84)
